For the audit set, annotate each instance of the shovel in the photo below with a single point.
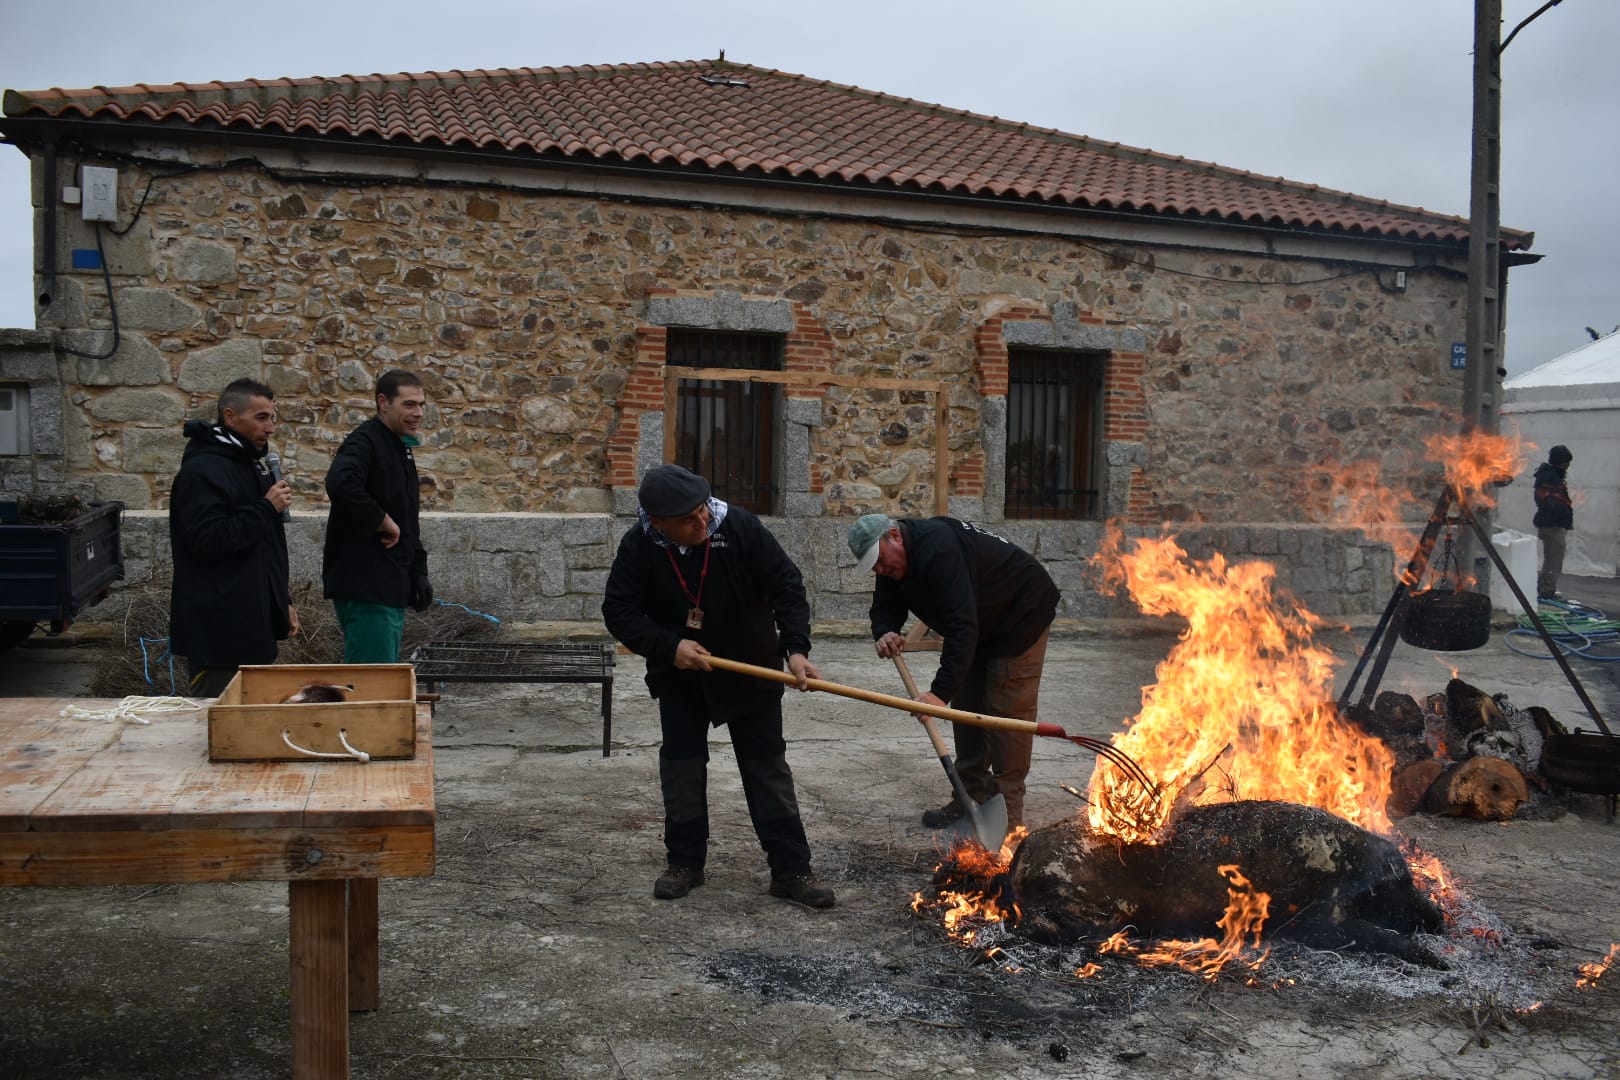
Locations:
(987, 820)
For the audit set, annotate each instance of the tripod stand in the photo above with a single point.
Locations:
(1398, 610)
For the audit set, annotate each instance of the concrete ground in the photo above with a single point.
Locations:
(537, 949)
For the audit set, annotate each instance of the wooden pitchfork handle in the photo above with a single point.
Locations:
(905, 705)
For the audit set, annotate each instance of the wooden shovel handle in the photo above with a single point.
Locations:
(927, 721)
(906, 705)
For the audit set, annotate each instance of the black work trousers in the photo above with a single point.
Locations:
(756, 737)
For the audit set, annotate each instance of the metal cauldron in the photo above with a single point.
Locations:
(1581, 762)
(1447, 621)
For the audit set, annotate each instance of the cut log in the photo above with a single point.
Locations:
(1470, 708)
(1396, 720)
(1408, 787)
(1484, 788)
(1331, 883)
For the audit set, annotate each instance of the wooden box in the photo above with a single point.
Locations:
(379, 718)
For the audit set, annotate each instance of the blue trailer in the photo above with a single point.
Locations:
(51, 571)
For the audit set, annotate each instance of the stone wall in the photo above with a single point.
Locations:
(1236, 382)
(539, 567)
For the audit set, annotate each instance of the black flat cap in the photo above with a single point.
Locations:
(671, 491)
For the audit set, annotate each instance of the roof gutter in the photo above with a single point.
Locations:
(21, 128)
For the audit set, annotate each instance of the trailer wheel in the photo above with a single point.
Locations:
(14, 633)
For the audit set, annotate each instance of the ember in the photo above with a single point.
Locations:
(1591, 973)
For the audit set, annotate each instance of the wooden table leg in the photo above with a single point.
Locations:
(320, 977)
(362, 944)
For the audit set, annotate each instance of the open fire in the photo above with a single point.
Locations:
(1240, 714)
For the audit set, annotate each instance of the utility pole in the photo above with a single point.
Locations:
(1482, 378)
(1481, 384)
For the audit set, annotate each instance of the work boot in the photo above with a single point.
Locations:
(803, 888)
(948, 814)
(676, 881)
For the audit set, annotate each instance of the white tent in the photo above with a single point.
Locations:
(1573, 400)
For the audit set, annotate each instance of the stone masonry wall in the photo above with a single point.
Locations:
(1236, 383)
(537, 567)
(1235, 386)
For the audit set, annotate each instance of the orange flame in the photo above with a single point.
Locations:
(1476, 460)
(1591, 973)
(1246, 911)
(975, 902)
(1242, 707)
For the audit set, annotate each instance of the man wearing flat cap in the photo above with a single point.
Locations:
(993, 603)
(696, 577)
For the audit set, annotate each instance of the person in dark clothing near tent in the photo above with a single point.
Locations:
(696, 577)
(374, 565)
(993, 603)
(229, 602)
(1555, 516)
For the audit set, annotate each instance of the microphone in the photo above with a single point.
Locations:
(272, 461)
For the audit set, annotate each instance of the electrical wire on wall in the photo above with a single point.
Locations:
(106, 277)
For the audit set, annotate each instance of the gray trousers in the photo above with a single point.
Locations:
(1552, 559)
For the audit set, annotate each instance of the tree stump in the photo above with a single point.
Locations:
(1408, 787)
(1483, 788)
(1332, 884)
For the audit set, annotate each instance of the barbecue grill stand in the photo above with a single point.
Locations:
(1395, 613)
(520, 662)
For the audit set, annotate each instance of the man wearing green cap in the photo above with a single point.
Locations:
(993, 603)
(696, 577)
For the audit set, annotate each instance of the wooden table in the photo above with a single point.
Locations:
(101, 802)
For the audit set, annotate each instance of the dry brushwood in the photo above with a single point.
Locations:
(320, 639)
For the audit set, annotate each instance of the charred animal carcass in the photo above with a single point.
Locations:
(1331, 884)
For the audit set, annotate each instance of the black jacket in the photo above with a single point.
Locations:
(372, 474)
(753, 601)
(984, 595)
(1553, 508)
(228, 605)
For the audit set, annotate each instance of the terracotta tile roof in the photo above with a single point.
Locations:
(713, 116)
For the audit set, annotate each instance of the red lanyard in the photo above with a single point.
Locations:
(697, 601)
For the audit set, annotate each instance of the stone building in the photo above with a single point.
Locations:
(940, 311)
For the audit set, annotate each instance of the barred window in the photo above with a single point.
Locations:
(1054, 433)
(728, 432)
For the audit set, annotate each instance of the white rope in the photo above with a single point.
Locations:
(343, 737)
(133, 710)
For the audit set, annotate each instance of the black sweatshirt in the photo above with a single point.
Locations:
(753, 602)
(983, 594)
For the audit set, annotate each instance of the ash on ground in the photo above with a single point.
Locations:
(1000, 986)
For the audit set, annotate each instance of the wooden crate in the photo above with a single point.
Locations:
(247, 721)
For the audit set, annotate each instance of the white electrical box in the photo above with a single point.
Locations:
(100, 192)
(14, 420)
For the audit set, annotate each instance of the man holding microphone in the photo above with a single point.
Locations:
(229, 602)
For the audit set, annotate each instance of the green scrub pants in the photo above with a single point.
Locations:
(371, 632)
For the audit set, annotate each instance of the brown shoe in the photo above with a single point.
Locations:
(803, 888)
(676, 881)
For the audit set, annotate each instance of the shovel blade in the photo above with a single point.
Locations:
(985, 824)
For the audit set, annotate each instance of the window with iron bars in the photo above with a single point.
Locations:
(1054, 433)
(728, 431)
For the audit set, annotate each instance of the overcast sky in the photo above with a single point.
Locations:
(1371, 96)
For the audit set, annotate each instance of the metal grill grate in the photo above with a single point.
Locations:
(520, 662)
